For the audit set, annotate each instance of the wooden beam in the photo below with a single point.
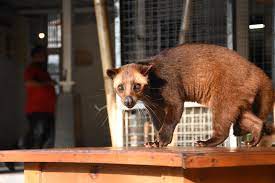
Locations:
(106, 51)
(185, 24)
(79, 173)
(32, 173)
(170, 157)
(263, 174)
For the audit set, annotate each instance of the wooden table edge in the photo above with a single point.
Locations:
(156, 159)
(177, 159)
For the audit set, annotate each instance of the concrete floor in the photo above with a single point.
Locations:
(11, 177)
(16, 177)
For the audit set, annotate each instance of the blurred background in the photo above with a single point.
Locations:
(139, 29)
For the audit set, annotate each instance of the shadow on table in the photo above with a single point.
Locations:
(11, 167)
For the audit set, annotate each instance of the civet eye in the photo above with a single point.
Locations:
(120, 88)
(137, 87)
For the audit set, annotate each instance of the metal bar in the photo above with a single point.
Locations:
(229, 19)
(118, 62)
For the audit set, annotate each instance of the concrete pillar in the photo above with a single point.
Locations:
(65, 136)
(67, 46)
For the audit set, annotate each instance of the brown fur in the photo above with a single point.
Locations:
(211, 75)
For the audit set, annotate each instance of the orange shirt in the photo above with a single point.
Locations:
(39, 98)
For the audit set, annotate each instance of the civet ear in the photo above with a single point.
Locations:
(145, 69)
(112, 72)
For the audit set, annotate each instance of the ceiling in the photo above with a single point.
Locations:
(265, 1)
(41, 4)
(24, 4)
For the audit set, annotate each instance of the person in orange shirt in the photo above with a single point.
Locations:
(40, 101)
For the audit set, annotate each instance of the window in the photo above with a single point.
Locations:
(54, 47)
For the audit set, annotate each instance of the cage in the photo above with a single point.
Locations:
(194, 125)
(148, 27)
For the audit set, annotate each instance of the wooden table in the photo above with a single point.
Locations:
(132, 165)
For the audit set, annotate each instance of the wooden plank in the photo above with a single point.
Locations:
(106, 54)
(169, 157)
(80, 173)
(220, 160)
(86, 173)
(174, 175)
(95, 155)
(68, 173)
(32, 173)
(247, 174)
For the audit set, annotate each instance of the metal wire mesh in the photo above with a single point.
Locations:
(138, 128)
(147, 27)
(260, 42)
(195, 125)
